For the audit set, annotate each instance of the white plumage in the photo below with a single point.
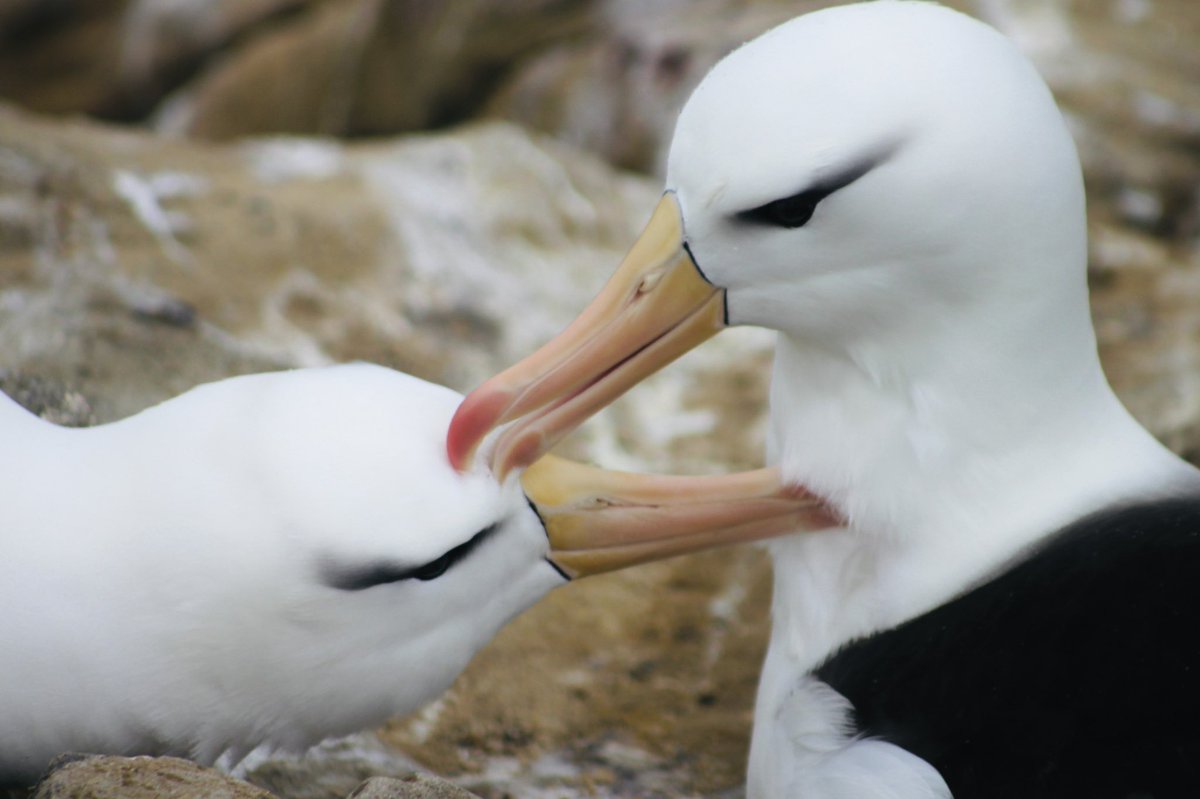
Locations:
(891, 187)
(274, 559)
(936, 375)
(165, 578)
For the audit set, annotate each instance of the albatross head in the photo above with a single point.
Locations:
(860, 176)
(403, 567)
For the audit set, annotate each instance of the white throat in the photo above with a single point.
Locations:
(944, 469)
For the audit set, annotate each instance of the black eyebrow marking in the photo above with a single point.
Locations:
(766, 214)
(844, 177)
(361, 576)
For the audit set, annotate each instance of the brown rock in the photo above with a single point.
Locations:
(449, 257)
(16, 15)
(1128, 73)
(165, 44)
(133, 268)
(142, 778)
(619, 92)
(116, 58)
(60, 57)
(370, 67)
(330, 770)
(418, 786)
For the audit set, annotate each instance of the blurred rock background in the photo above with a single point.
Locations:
(191, 189)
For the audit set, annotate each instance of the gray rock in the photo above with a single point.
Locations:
(51, 401)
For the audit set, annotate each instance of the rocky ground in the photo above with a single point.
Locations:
(465, 176)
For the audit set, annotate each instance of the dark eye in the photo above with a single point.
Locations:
(796, 210)
(360, 576)
(789, 212)
(434, 568)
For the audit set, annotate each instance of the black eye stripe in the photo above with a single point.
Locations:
(789, 212)
(797, 209)
(434, 568)
(360, 576)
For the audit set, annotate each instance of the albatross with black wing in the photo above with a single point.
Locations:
(1012, 607)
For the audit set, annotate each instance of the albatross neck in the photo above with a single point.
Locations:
(948, 457)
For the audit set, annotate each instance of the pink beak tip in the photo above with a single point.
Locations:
(474, 419)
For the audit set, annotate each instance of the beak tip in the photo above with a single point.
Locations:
(481, 411)
(459, 446)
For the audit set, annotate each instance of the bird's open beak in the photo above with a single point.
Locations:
(655, 308)
(600, 521)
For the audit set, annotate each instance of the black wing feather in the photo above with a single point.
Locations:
(1074, 673)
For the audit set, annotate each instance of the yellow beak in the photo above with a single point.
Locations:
(655, 308)
(600, 521)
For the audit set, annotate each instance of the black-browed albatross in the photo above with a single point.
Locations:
(278, 558)
(1013, 606)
